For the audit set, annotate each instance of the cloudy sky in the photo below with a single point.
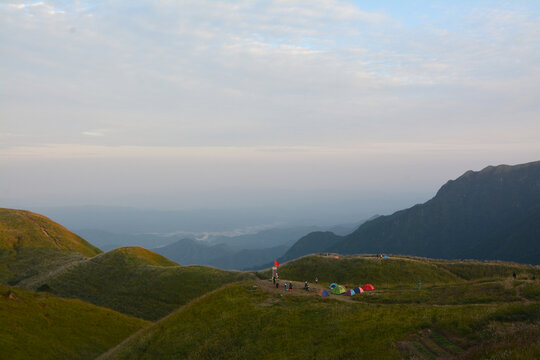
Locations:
(193, 104)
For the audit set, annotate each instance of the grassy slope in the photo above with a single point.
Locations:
(129, 280)
(31, 244)
(39, 326)
(470, 270)
(396, 271)
(24, 229)
(243, 322)
(26, 263)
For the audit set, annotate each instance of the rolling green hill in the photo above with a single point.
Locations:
(24, 229)
(31, 244)
(243, 321)
(136, 281)
(395, 271)
(40, 326)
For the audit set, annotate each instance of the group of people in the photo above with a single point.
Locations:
(287, 286)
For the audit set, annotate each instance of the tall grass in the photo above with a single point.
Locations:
(41, 326)
(241, 322)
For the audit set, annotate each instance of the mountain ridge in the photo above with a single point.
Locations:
(463, 220)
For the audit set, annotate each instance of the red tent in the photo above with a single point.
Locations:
(368, 287)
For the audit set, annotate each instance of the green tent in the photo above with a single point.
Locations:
(340, 289)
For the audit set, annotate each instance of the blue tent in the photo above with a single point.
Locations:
(386, 257)
(332, 285)
(323, 293)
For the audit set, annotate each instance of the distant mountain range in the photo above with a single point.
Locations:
(223, 256)
(490, 214)
(226, 252)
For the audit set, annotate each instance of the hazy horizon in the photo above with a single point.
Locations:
(336, 108)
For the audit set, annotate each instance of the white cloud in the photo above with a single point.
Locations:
(97, 132)
(296, 79)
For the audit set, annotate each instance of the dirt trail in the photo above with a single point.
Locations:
(298, 290)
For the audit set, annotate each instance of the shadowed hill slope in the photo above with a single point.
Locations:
(137, 282)
(492, 214)
(311, 243)
(40, 326)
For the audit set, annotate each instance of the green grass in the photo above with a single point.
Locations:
(244, 323)
(472, 270)
(130, 281)
(395, 271)
(24, 229)
(531, 291)
(448, 294)
(27, 263)
(40, 326)
(361, 270)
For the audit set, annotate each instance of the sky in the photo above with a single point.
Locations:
(354, 106)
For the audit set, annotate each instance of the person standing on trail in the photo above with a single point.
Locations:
(290, 286)
(305, 284)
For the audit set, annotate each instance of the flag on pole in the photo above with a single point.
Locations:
(276, 263)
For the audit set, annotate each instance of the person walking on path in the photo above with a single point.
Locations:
(290, 286)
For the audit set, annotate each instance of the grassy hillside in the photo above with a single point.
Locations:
(24, 229)
(26, 264)
(137, 282)
(140, 255)
(401, 271)
(31, 244)
(242, 321)
(40, 326)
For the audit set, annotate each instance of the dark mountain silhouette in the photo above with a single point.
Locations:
(490, 214)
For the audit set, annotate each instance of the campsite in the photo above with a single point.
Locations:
(472, 318)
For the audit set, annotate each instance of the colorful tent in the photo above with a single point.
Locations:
(339, 289)
(323, 293)
(358, 290)
(332, 285)
(350, 292)
(368, 287)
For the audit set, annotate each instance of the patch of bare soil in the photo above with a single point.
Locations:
(298, 290)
